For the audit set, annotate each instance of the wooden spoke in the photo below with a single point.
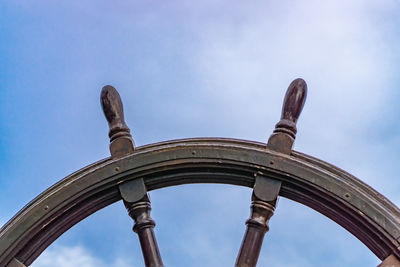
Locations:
(257, 226)
(133, 193)
(265, 191)
(144, 224)
(137, 203)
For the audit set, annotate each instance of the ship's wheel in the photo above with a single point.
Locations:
(273, 170)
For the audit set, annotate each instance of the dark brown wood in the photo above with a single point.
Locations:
(257, 226)
(133, 193)
(144, 224)
(264, 198)
(285, 131)
(292, 106)
(121, 142)
(265, 191)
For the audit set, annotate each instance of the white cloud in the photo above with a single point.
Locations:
(326, 43)
(341, 49)
(242, 59)
(76, 256)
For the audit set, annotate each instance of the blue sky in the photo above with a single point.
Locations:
(189, 69)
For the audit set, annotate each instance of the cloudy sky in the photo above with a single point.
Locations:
(189, 69)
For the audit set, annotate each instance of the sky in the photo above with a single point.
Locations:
(198, 69)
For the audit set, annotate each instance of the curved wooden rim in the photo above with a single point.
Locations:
(361, 210)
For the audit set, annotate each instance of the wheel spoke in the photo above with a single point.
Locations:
(137, 203)
(262, 209)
